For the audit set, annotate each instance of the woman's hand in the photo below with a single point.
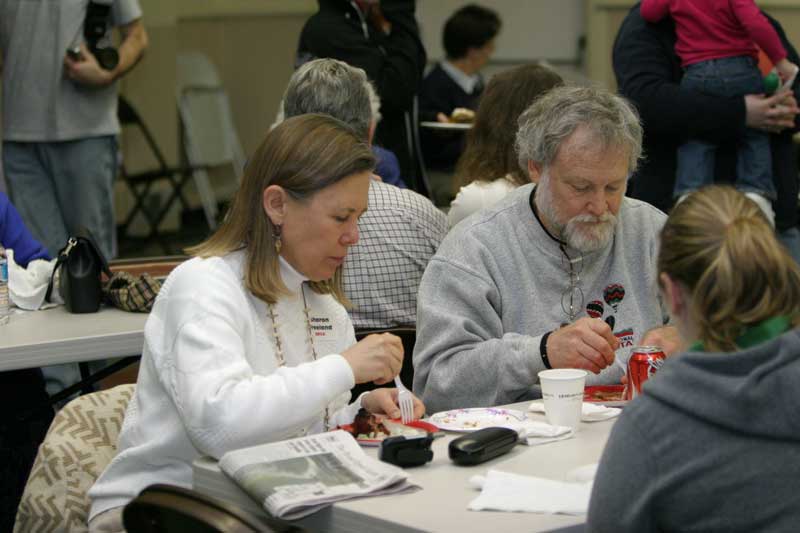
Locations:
(384, 402)
(377, 358)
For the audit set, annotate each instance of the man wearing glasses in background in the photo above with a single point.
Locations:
(560, 274)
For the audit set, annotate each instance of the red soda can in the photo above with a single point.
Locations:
(643, 363)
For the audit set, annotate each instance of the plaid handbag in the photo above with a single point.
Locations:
(130, 293)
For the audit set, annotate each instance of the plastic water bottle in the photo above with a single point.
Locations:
(5, 312)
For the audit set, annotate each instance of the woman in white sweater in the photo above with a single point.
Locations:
(249, 341)
(488, 168)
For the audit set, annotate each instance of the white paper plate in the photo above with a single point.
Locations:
(447, 125)
(476, 418)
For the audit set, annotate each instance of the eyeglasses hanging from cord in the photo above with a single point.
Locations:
(572, 297)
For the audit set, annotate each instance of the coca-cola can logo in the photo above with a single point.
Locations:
(653, 364)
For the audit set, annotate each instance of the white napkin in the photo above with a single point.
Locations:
(590, 412)
(27, 287)
(533, 432)
(502, 491)
(582, 474)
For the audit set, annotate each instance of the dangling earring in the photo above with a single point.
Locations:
(277, 236)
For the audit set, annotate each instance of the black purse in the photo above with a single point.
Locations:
(80, 265)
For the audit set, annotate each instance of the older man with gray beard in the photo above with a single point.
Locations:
(560, 274)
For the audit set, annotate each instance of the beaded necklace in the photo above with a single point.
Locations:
(279, 347)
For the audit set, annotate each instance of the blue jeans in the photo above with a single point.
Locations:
(727, 77)
(57, 187)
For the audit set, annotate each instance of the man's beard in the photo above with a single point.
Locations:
(585, 233)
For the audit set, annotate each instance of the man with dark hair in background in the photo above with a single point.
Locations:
(456, 82)
(381, 37)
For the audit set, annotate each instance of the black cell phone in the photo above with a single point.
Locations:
(482, 445)
(74, 53)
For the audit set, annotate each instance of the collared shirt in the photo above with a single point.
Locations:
(399, 233)
(465, 81)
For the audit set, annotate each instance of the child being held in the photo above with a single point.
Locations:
(716, 42)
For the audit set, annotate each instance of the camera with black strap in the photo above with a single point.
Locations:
(96, 33)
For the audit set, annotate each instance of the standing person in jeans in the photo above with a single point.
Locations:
(60, 114)
(60, 120)
(716, 41)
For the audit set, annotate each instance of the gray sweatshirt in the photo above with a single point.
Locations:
(495, 287)
(713, 444)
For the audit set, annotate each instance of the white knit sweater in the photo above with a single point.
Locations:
(209, 380)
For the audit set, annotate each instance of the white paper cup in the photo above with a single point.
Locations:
(562, 392)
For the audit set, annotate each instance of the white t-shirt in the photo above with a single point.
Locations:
(476, 196)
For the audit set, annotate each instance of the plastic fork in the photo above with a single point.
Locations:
(404, 398)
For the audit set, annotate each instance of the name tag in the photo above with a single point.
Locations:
(322, 328)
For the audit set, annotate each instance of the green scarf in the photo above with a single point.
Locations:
(755, 334)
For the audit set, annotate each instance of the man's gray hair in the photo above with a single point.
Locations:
(554, 116)
(332, 87)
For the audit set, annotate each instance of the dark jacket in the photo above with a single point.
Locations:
(394, 62)
(648, 73)
(441, 94)
(713, 444)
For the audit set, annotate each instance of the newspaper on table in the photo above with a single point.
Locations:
(294, 478)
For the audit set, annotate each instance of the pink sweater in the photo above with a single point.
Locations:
(713, 29)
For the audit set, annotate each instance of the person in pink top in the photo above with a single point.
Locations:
(717, 42)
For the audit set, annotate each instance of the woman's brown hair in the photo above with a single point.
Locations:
(489, 153)
(303, 155)
(719, 245)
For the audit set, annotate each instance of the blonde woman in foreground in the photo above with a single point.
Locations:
(713, 444)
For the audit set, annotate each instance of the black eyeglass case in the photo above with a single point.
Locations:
(482, 445)
(406, 451)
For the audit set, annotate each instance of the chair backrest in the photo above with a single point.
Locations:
(421, 181)
(128, 116)
(160, 508)
(209, 135)
(80, 443)
(409, 337)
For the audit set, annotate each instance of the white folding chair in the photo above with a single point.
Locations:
(208, 136)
